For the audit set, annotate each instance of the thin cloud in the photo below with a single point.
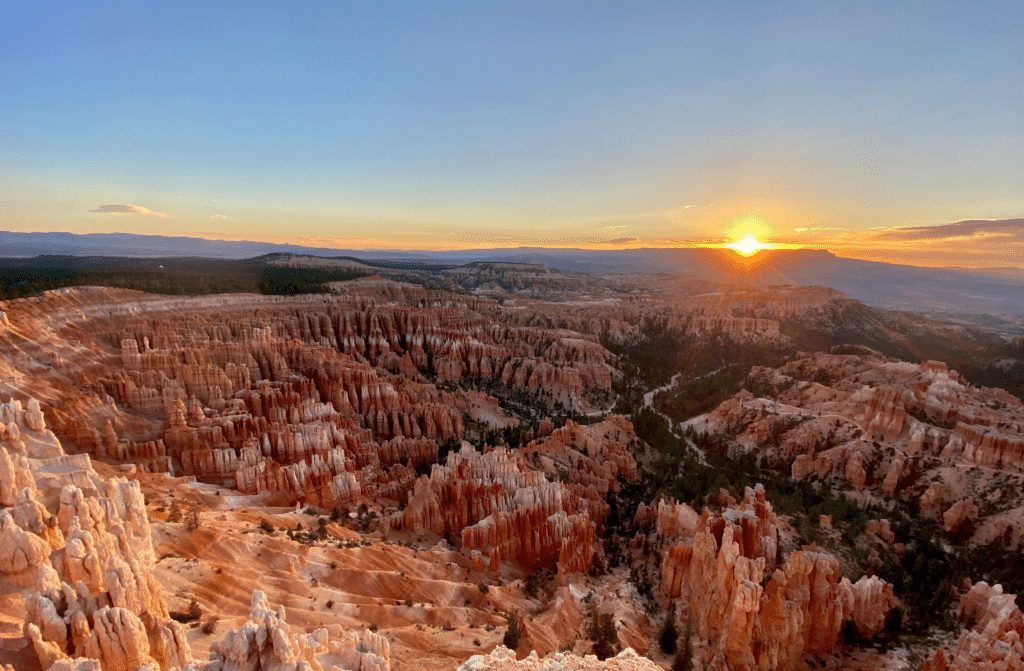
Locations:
(621, 241)
(966, 229)
(219, 216)
(128, 209)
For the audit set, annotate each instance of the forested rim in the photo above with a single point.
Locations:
(171, 276)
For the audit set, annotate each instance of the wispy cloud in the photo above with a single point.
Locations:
(621, 241)
(128, 209)
(219, 216)
(968, 229)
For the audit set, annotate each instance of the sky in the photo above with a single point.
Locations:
(868, 130)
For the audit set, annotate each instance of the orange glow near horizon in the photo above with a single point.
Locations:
(748, 246)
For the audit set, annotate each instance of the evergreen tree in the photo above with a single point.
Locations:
(667, 635)
(602, 632)
(513, 633)
(684, 655)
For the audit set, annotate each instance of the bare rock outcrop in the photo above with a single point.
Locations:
(266, 641)
(879, 427)
(503, 659)
(959, 513)
(79, 549)
(753, 620)
(993, 641)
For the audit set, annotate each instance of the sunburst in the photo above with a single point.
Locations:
(748, 245)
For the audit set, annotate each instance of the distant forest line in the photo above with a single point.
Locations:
(180, 276)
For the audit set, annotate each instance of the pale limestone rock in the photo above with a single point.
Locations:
(78, 664)
(118, 640)
(994, 642)
(15, 476)
(24, 557)
(266, 642)
(873, 599)
(362, 651)
(47, 653)
(503, 659)
(676, 519)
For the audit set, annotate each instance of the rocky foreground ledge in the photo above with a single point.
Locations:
(503, 659)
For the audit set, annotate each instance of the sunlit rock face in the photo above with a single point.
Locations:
(334, 404)
(507, 509)
(991, 638)
(757, 615)
(877, 427)
(325, 400)
(77, 549)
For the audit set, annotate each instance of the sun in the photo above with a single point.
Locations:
(747, 246)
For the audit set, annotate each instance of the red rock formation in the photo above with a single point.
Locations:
(958, 513)
(994, 642)
(985, 446)
(882, 530)
(752, 623)
(885, 414)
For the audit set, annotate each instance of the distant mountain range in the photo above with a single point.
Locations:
(998, 293)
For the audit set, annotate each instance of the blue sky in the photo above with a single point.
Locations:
(439, 125)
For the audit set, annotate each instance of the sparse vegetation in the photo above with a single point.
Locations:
(513, 633)
(667, 634)
(683, 660)
(601, 630)
(193, 614)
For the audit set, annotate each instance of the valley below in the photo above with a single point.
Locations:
(504, 466)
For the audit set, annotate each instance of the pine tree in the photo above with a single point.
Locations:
(684, 655)
(512, 633)
(667, 635)
(604, 635)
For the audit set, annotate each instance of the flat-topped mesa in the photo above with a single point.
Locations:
(993, 642)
